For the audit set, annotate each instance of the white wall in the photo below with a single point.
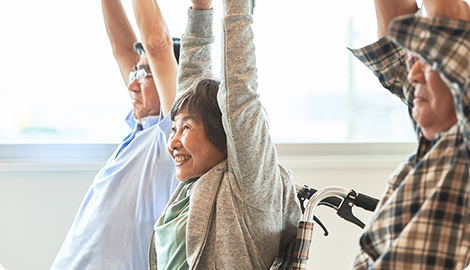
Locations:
(38, 202)
(36, 210)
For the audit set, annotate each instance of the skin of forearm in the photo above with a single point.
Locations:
(454, 9)
(152, 26)
(158, 46)
(386, 10)
(121, 35)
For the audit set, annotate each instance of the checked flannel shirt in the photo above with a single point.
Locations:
(423, 219)
(295, 255)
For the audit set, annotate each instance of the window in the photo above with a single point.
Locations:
(61, 84)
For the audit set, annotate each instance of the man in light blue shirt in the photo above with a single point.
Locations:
(114, 225)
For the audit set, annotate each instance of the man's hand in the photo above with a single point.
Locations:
(201, 4)
(386, 10)
(453, 9)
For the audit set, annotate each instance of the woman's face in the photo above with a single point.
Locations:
(189, 147)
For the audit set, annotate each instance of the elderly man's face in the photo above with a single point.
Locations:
(433, 109)
(144, 95)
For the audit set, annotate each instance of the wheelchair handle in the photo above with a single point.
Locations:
(366, 202)
(319, 196)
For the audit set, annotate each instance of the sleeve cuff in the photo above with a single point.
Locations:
(380, 55)
(165, 124)
(200, 23)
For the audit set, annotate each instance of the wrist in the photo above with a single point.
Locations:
(444, 9)
(202, 4)
(201, 7)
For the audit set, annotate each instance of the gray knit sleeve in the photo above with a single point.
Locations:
(251, 152)
(195, 58)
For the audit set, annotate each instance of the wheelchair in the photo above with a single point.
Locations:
(295, 255)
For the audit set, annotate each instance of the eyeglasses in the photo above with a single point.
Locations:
(140, 75)
(412, 59)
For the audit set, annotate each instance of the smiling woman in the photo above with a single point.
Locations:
(198, 140)
(228, 218)
(190, 147)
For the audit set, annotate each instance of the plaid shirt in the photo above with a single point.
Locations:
(423, 219)
(295, 255)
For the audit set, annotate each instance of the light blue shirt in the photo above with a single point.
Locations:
(114, 224)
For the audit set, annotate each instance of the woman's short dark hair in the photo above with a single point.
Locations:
(200, 100)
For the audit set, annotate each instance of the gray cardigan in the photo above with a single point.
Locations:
(243, 210)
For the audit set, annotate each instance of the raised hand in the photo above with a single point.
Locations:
(453, 9)
(201, 4)
(386, 10)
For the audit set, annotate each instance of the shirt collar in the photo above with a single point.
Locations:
(439, 135)
(149, 121)
(425, 145)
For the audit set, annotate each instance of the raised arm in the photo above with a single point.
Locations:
(251, 152)
(121, 35)
(386, 10)
(158, 46)
(452, 9)
(196, 53)
(384, 57)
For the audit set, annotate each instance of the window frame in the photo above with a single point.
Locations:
(92, 157)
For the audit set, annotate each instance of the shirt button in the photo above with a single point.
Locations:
(144, 122)
(425, 34)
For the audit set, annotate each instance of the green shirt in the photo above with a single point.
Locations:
(170, 233)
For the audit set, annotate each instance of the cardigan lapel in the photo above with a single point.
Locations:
(202, 203)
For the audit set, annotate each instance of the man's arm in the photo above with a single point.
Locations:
(386, 10)
(158, 46)
(385, 58)
(452, 57)
(121, 36)
(453, 9)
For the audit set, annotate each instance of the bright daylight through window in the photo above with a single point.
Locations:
(61, 84)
